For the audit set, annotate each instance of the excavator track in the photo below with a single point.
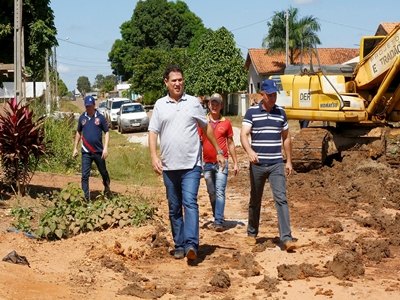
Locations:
(310, 148)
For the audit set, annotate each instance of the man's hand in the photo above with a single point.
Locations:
(104, 154)
(235, 169)
(157, 165)
(221, 161)
(253, 157)
(75, 153)
(289, 168)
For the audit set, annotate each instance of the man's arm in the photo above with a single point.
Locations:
(232, 152)
(287, 146)
(244, 140)
(105, 147)
(211, 137)
(155, 160)
(76, 142)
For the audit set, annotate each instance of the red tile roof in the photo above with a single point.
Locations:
(386, 28)
(270, 63)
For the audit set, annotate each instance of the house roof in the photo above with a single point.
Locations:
(386, 28)
(269, 63)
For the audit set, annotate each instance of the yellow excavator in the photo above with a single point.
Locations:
(357, 107)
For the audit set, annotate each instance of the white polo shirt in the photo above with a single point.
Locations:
(176, 125)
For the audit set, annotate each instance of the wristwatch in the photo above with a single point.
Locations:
(220, 151)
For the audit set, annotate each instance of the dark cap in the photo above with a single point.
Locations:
(268, 86)
(89, 100)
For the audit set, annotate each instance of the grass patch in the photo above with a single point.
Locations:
(130, 162)
(69, 106)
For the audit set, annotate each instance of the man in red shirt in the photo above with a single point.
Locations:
(216, 178)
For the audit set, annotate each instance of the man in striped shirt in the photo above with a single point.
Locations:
(266, 124)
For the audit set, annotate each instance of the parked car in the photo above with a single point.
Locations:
(102, 107)
(132, 117)
(113, 106)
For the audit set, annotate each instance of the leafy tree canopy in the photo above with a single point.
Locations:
(302, 33)
(105, 83)
(216, 65)
(155, 25)
(83, 85)
(39, 34)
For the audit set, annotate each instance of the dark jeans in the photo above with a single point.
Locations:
(277, 180)
(87, 159)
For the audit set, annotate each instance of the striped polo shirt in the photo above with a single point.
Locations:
(266, 132)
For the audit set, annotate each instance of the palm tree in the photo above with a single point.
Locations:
(302, 33)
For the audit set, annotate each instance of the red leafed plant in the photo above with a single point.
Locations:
(22, 144)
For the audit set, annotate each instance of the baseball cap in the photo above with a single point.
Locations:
(89, 100)
(269, 86)
(216, 97)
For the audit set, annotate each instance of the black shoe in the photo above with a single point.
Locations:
(107, 193)
(179, 253)
(218, 227)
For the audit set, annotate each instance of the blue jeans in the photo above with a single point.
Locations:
(87, 159)
(277, 180)
(216, 184)
(182, 187)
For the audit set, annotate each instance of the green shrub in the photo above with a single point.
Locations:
(23, 217)
(61, 133)
(72, 215)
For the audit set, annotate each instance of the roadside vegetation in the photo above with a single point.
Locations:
(64, 214)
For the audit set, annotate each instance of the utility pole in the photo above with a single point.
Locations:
(56, 78)
(17, 50)
(47, 97)
(287, 36)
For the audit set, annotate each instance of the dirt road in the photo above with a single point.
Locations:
(346, 218)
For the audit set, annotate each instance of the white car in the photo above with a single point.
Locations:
(132, 117)
(113, 106)
(102, 107)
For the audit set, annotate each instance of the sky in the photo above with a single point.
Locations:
(87, 29)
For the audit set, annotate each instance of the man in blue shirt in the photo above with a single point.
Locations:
(267, 125)
(91, 125)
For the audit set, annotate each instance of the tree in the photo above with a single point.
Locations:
(105, 83)
(302, 33)
(39, 34)
(62, 88)
(216, 66)
(148, 69)
(83, 85)
(158, 33)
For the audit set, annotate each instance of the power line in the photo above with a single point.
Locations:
(80, 60)
(252, 24)
(82, 45)
(344, 25)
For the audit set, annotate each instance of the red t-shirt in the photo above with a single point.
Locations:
(222, 131)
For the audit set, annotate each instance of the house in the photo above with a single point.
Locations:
(7, 92)
(262, 64)
(386, 28)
